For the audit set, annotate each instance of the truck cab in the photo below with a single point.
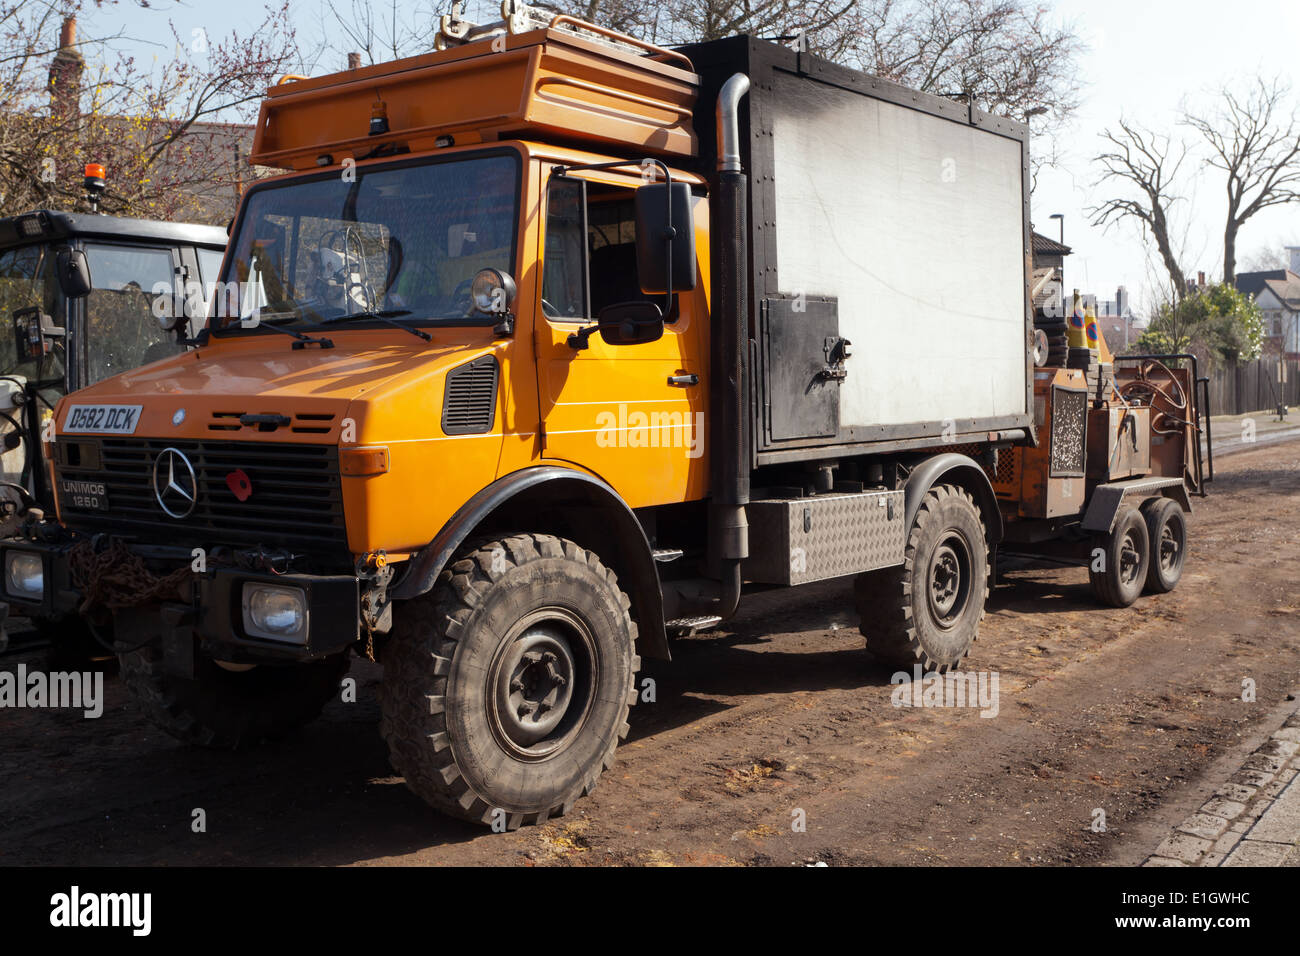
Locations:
(69, 341)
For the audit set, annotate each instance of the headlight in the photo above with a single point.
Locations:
(275, 613)
(24, 575)
(492, 291)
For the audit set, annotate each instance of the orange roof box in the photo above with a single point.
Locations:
(546, 83)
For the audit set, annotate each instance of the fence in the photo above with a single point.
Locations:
(1254, 386)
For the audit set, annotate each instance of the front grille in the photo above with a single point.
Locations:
(296, 499)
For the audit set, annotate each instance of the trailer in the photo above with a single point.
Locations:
(551, 345)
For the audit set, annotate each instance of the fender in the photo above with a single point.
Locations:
(968, 474)
(632, 557)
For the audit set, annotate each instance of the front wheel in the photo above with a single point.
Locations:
(507, 687)
(227, 708)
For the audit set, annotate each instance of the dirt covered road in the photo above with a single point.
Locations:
(779, 720)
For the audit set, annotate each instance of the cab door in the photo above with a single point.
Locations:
(632, 414)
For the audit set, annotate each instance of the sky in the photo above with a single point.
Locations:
(1145, 59)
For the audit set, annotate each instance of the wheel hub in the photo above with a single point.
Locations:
(536, 684)
(1169, 549)
(541, 684)
(949, 580)
(1129, 559)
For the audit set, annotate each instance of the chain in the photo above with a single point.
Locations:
(116, 578)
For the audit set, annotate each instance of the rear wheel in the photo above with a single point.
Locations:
(928, 610)
(1117, 568)
(507, 687)
(1167, 530)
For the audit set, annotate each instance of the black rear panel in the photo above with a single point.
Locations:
(294, 497)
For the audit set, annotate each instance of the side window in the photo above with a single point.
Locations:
(26, 280)
(209, 275)
(564, 273)
(210, 264)
(121, 330)
(608, 254)
(611, 239)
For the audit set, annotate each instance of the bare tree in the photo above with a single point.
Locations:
(164, 131)
(379, 31)
(1255, 141)
(1008, 55)
(1146, 165)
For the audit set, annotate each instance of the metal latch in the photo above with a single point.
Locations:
(837, 350)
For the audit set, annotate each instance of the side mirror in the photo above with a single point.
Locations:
(73, 272)
(656, 246)
(34, 334)
(623, 323)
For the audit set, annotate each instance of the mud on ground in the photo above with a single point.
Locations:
(1124, 711)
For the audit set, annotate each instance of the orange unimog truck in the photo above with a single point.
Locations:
(549, 345)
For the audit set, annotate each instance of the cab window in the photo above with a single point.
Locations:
(27, 280)
(590, 255)
(122, 331)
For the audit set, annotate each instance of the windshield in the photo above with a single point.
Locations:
(26, 280)
(405, 240)
(122, 330)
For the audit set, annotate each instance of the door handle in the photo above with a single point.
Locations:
(684, 381)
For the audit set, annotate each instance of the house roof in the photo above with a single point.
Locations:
(1283, 283)
(1049, 247)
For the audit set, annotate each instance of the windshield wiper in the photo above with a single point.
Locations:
(388, 317)
(303, 340)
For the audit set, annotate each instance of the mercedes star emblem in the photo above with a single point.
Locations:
(175, 486)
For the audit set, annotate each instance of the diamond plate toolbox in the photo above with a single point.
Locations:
(798, 540)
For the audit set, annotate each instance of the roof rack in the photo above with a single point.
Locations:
(516, 18)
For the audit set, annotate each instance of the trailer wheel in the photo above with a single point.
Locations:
(507, 687)
(230, 709)
(1167, 530)
(928, 610)
(1119, 573)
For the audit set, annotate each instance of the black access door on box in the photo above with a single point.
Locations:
(800, 401)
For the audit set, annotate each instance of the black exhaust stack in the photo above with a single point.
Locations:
(729, 443)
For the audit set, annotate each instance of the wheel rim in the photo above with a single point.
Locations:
(540, 688)
(1171, 548)
(1130, 558)
(948, 579)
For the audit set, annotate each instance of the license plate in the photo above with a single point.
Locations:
(83, 495)
(102, 419)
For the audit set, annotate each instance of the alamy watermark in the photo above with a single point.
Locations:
(976, 689)
(73, 690)
(638, 429)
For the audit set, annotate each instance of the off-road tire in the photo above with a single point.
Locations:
(446, 710)
(1126, 553)
(1167, 531)
(895, 611)
(228, 710)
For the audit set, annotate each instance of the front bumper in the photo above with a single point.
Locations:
(212, 622)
